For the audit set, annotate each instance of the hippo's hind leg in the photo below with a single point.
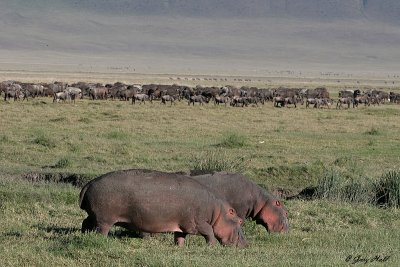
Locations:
(91, 224)
(88, 224)
(103, 228)
(179, 238)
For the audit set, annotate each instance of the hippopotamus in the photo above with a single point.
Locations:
(248, 199)
(154, 202)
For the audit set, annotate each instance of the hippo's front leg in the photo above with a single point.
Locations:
(179, 238)
(207, 231)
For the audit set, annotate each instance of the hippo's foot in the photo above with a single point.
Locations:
(179, 238)
(103, 228)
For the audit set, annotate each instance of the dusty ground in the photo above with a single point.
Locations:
(109, 74)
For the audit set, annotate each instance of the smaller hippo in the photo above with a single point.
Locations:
(248, 199)
(154, 202)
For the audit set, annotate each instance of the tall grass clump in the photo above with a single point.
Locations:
(334, 185)
(63, 163)
(372, 131)
(214, 161)
(42, 139)
(232, 140)
(388, 189)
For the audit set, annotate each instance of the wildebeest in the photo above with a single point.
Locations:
(312, 101)
(279, 101)
(166, 98)
(198, 98)
(98, 92)
(61, 96)
(141, 98)
(13, 91)
(344, 100)
(74, 92)
(239, 101)
(361, 99)
(222, 100)
(394, 97)
(292, 101)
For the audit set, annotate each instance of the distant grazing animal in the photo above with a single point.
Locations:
(13, 91)
(166, 98)
(221, 100)
(61, 96)
(141, 98)
(98, 92)
(312, 101)
(344, 100)
(199, 99)
(74, 92)
(290, 101)
(279, 101)
(239, 101)
(155, 202)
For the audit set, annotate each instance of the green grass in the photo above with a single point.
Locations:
(53, 146)
(41, 226)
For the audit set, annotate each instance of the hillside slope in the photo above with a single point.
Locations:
(204, 36)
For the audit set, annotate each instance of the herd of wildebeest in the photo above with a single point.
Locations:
(226, 95)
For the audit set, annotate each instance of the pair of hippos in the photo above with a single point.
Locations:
(211, 205)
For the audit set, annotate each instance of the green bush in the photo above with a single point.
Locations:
(388, 189)
(335, 185)
(62, 163)
(213, 161)
(232, 140)
(42, 139)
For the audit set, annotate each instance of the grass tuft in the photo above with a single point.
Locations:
(388, 189)
(63, 163)
(232, 140)
(373, 131)
(214, 161)
(337, 186)
(42, 139)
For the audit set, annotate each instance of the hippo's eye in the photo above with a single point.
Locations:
(277, 203)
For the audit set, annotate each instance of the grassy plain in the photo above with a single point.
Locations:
(288, 148)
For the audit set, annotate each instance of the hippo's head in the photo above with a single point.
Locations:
(227, 228)
(273, 216)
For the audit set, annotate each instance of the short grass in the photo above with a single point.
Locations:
(276, 147)
(41, 227)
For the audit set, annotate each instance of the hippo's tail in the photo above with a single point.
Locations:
(82, 196)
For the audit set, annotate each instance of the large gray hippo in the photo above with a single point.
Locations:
(248, 199)
(154, 202)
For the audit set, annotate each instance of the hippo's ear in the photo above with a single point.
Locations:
(231, 211)
(277, 203)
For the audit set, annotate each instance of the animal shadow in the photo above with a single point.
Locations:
(58, 230)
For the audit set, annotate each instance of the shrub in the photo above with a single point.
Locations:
(62, 163)
(214, 161)
(373, 131)
(233, 140)
(335, 185)
(43, 140)
(388, 189)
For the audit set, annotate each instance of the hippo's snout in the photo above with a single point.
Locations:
(285, 226)
(241, 242)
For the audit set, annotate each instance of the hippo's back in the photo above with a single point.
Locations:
(139, 197)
